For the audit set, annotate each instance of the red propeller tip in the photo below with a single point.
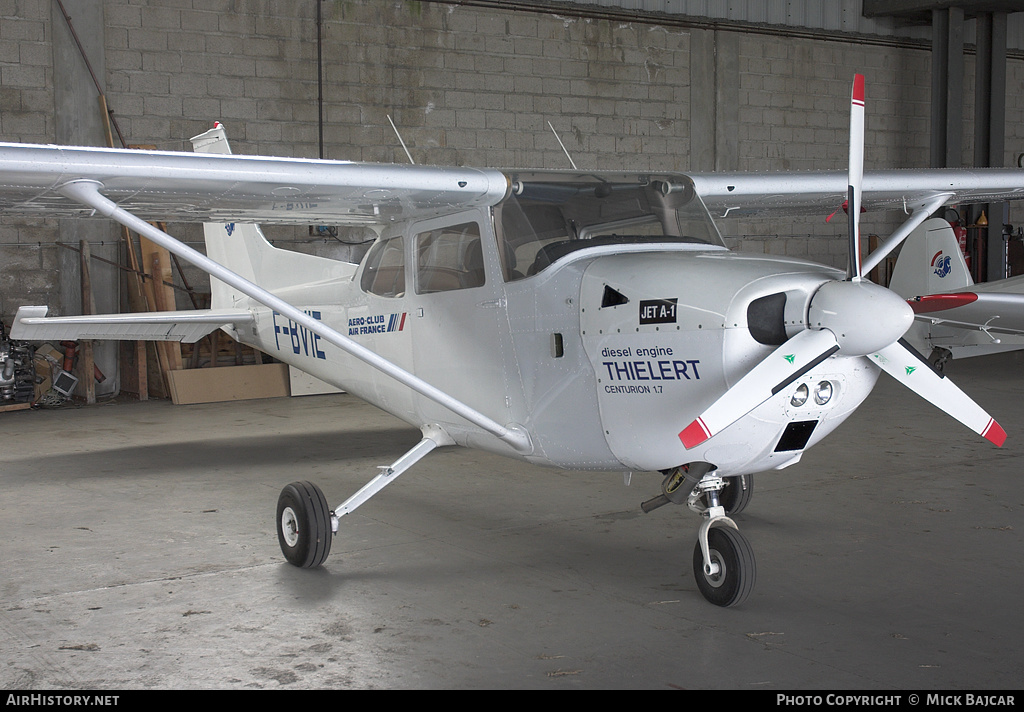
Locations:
(994, 433)
(694, 434)
(858, 89)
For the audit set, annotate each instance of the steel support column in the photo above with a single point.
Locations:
(990, 126)
(947, 87)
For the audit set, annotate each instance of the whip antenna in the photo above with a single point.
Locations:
(571, 162)
(395, 129)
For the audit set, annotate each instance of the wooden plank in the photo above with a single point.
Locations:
(161, 354)
(161, 298)
(15, 406)
(134, 360)
(87, 367)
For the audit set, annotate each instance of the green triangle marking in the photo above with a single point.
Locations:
(911, 369)
(791, 358)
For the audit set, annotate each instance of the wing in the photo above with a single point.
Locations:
(32, 324)
(822, 192)
(163, 185)
(132, 186)
(170, 185)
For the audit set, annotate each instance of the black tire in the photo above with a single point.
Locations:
(738, 570)
(304, 525)
(737, 493)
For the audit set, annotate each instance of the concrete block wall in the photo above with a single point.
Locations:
(470, 86)
(794, 115)
(28, 272)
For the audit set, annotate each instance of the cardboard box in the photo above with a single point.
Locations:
(302, 384)
(226, 383)
(44, 368)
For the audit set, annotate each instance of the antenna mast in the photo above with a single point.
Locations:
(395, 129)
(571, 162)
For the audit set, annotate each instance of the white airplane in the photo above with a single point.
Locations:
(574, 319)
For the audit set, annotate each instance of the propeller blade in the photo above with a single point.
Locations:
(856, 173)
(906, 365)
(783, 366)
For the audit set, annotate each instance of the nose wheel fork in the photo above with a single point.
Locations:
(723, 560)
(723, 564)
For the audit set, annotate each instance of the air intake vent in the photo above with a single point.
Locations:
(796, 435)
(766, 319)
(613, 298)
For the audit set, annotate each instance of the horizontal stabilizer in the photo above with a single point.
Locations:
(1001, 312)
(32, 324)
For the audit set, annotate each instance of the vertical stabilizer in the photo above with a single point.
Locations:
(242, 248)
(930, 262)
(229, 244)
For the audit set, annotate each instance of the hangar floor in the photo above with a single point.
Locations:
(139, 551)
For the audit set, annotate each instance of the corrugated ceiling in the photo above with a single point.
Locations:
(828, 15)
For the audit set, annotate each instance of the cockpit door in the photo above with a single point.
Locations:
(458, 313)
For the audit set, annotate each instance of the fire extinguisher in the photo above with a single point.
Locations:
(961, 238)
(70, 350)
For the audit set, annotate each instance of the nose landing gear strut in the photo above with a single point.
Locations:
(723, 561)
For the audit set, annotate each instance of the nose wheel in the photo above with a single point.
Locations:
(726, 577)
(723, 561)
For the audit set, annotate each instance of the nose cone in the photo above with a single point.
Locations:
(863, 316)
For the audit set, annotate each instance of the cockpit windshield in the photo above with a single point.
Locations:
(549, 215)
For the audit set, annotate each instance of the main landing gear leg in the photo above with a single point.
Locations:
(723, 561)
(305, 525)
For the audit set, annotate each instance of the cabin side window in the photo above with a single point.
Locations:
(384, 268)
(449, 258)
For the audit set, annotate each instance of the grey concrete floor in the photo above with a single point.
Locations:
(139, 551)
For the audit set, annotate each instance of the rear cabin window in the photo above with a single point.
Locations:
(384, 273)
(449, 258)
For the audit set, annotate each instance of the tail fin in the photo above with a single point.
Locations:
(242, 248)
(930, 262)
(227, 243)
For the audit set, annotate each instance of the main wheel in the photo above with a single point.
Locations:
(737, 493)
(304, 525)
(737, 570)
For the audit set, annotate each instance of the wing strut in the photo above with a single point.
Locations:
(920, 212)
(87, 192)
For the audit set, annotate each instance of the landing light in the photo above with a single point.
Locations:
(800, 397)
(823, 392)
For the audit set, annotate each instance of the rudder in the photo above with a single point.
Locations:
(930, 262)
(242, 248)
